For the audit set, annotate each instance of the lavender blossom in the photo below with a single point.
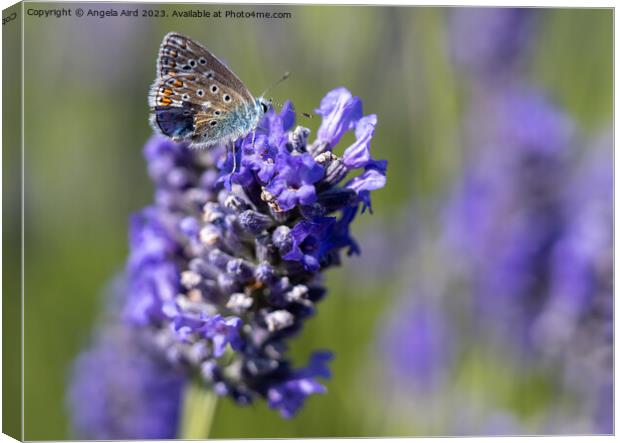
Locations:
(121, 389)
(418, 344)
(575, 327)
(535, 239)
(421, 350)
(581, 262)
(490, 42)
(225, 266)
(506, 214)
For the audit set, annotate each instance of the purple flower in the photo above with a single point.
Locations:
(225, 267)
(290, 172)
(532, 230)
(260, 158)
(358, 154)
(341, 112)
(149, 238)
(306, 241)
(575, 327)
(294, 183)
(289, 396)
(153, 278)
(150, 288)
(218, 330)
(418, 344)
(506, 212)
(121, 389)
(490, 41)
(369, 180)
(528, 122)
(582, 258)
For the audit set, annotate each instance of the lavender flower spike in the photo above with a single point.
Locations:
(226, 265)
(491, 42)
(120, 389)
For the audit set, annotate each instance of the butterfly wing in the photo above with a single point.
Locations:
(179, 54)
(196, 97)
(201, 110)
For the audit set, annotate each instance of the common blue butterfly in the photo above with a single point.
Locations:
(196, 98)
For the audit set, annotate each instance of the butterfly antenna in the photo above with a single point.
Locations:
(271, 100)
(279, 105)
(284, 77)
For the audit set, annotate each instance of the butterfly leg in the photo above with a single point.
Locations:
(234, 156)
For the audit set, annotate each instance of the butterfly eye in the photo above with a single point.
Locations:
(214, 88)
(264, 106)
(227, 98)
(203, 61)
(200, 92)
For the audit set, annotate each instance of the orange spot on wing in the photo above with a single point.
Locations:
(178, 83)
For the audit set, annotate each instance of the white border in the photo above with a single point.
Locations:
(555, 4)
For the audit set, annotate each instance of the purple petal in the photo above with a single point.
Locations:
(306, 195)
(367, 181)
(287, 115)
(358, 154)
(340, 111)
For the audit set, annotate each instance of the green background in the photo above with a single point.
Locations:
(86, 82)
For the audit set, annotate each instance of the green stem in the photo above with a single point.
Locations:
(199, 405)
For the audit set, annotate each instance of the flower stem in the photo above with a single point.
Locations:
(199, 405)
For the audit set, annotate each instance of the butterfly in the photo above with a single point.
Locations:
(197, 99)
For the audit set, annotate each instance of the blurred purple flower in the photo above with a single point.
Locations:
(506, 212)
(121, 389)
(418, 344)
(581, 262)
(575, 328)
(225, 267)
(533, 229)
(489, 42)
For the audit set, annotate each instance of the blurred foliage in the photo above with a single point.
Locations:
(86, 121)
